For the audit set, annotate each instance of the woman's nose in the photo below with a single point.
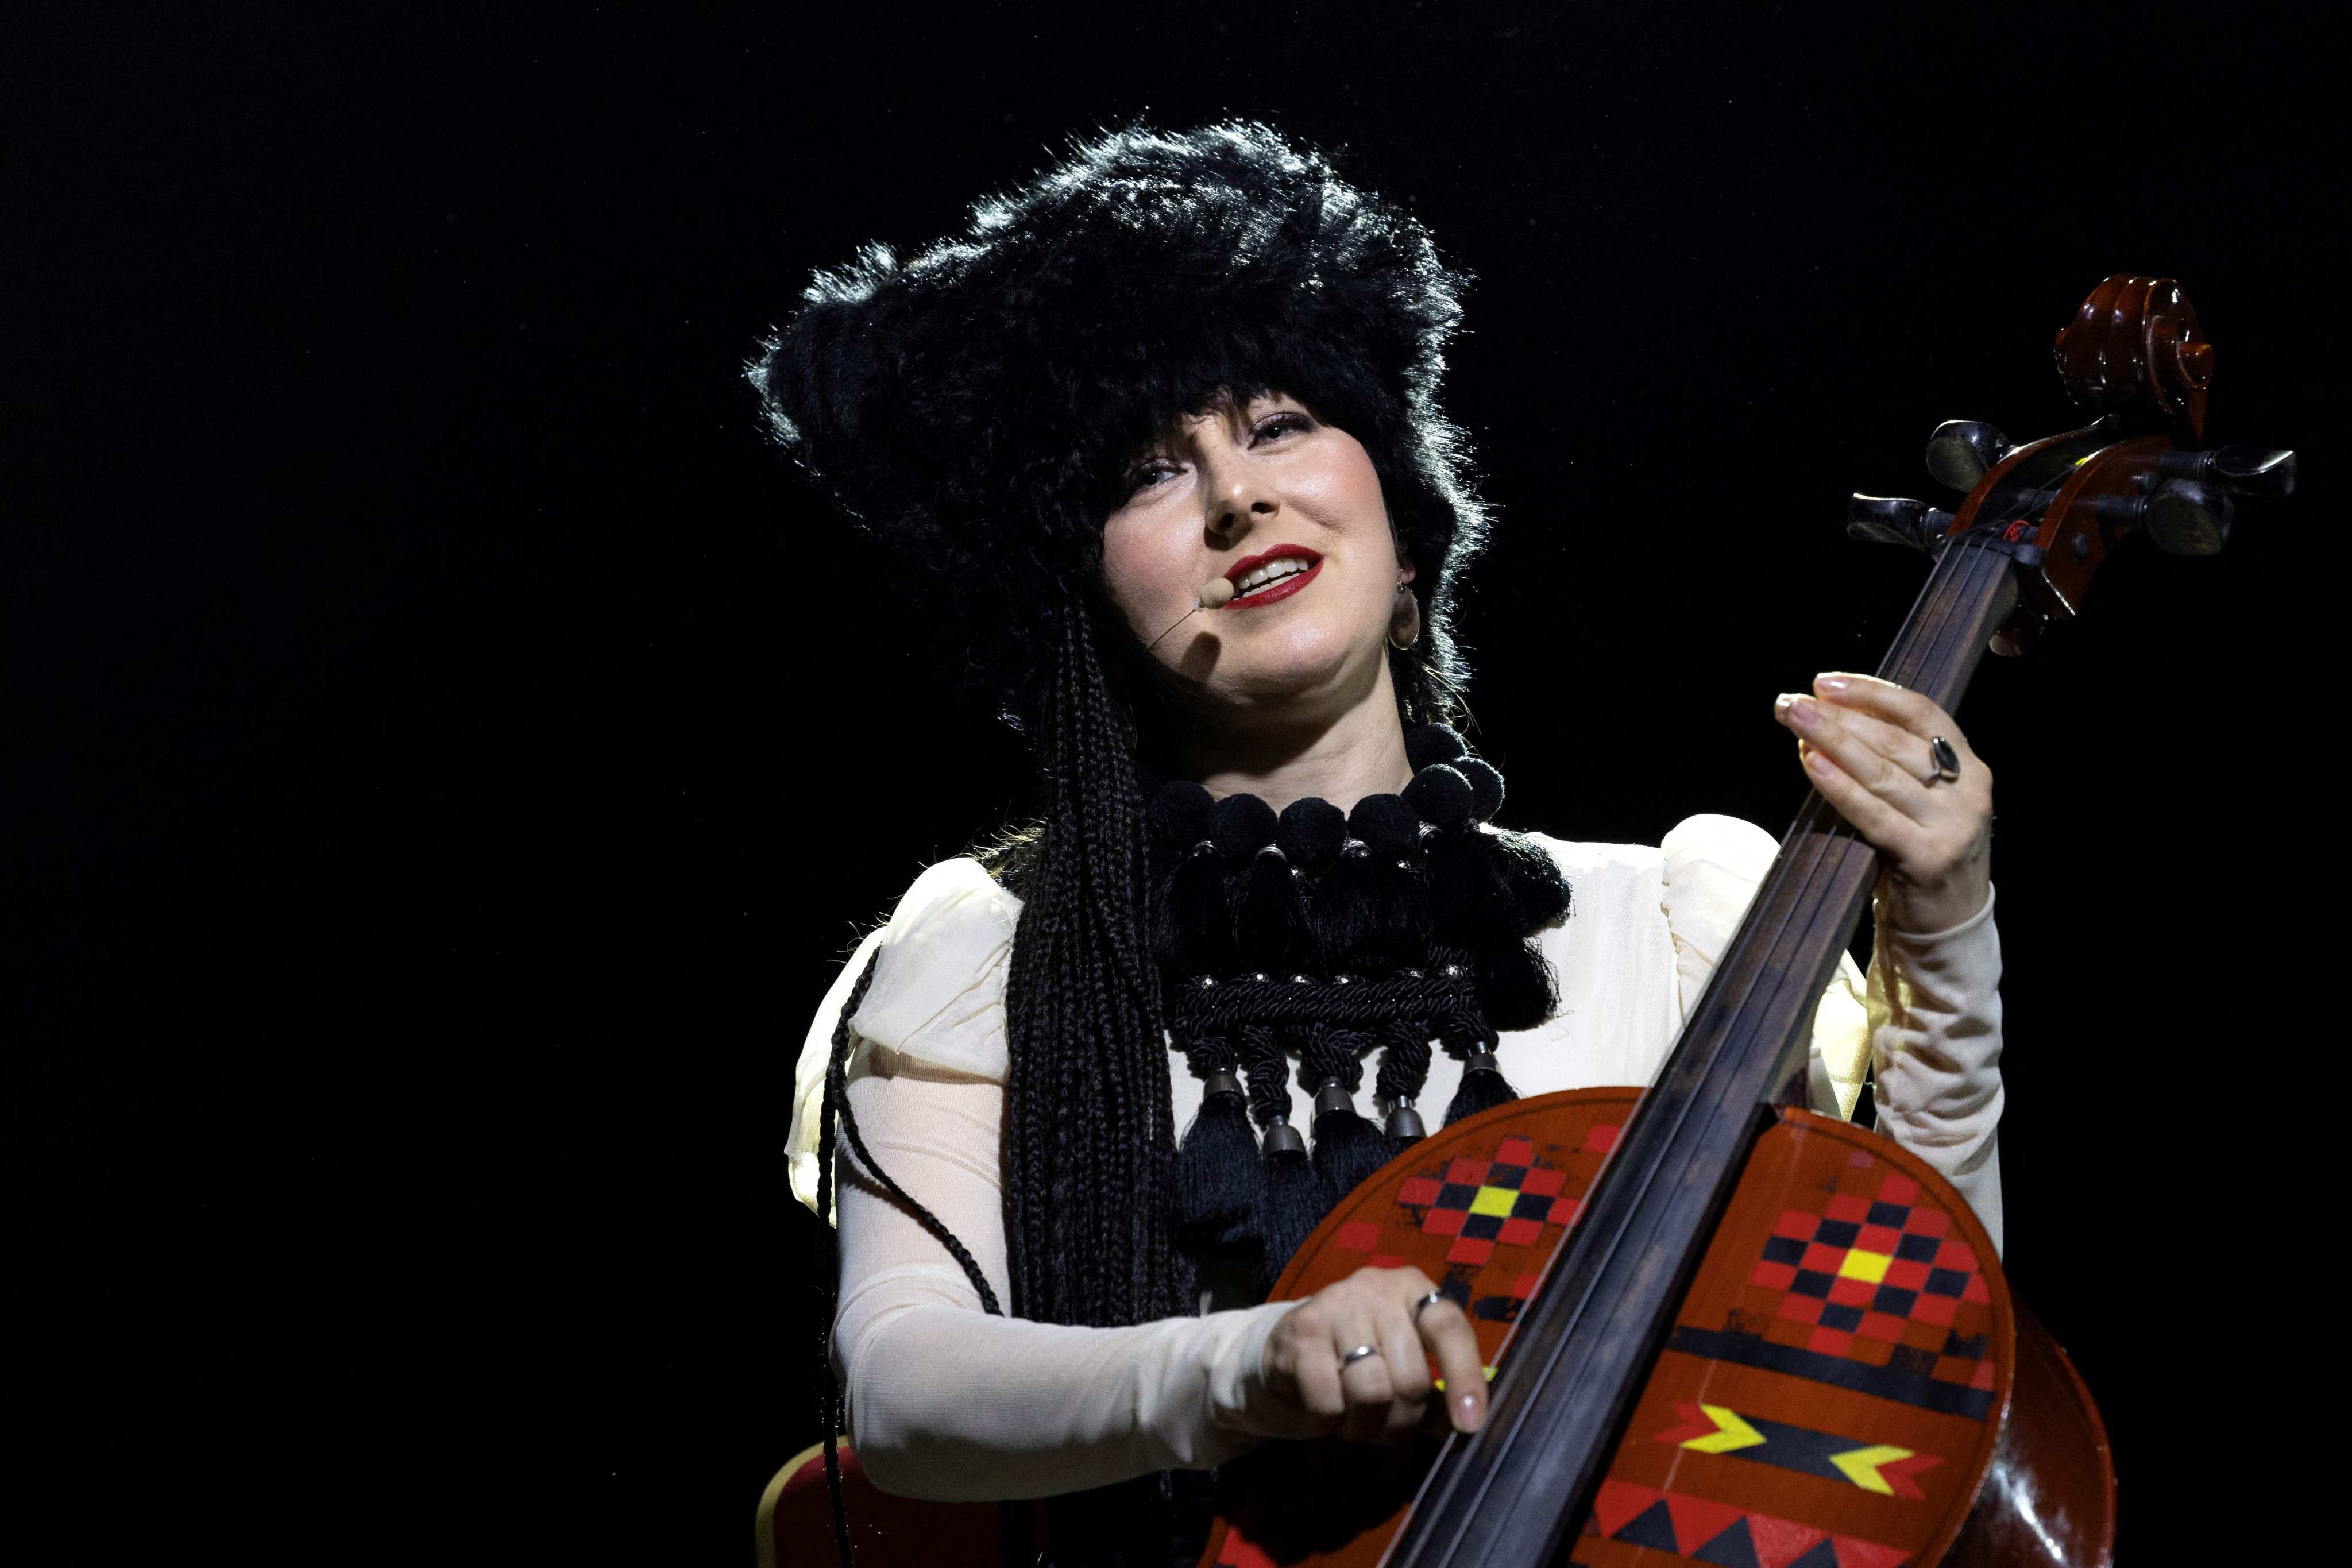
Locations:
(1236, 498)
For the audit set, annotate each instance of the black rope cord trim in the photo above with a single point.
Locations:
(1206, 1006)
(1262, 1059)
(835, 1109)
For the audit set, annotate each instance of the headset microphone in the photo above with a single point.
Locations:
(1215, 595)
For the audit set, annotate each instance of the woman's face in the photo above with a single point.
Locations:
(1290, 510)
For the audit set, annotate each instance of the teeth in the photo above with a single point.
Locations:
(1270, 573)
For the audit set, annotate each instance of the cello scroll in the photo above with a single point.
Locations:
(2136, 355)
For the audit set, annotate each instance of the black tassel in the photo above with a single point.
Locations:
(1370, 915)
(1270, 913)
(1347, 1147)
(1483, 1085)
(1539, 894)
(1516, 986)
(1482, 1089)
(1291, 1202)
(1470, 899)
(1404, 1073)
(1194, 933)
(1377, 912)
(1348, 1150)
(1217, 1174)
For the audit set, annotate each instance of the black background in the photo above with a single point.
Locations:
(449, 757)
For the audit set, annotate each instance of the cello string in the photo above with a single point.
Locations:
(1954, 576)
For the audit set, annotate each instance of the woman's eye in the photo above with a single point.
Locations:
(1284, 421)
(1149, 475)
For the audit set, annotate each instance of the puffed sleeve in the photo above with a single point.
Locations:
(1714, 866)
(935, 1008)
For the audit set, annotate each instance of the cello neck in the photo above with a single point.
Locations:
(1506, 1496)
(1969, 595)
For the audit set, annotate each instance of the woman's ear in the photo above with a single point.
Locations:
(1404, 620)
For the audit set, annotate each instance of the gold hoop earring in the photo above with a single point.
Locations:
(1411, 607)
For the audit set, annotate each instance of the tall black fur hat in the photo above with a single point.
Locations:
(976, 404)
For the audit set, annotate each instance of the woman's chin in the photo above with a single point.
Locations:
(1301, 685)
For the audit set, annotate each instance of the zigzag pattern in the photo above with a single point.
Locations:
(1725, 1536)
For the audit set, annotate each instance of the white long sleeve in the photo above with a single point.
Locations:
(1934, 1052)
(950, 1404)
(947, 1402)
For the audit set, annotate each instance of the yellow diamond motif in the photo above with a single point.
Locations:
(1494, 1200)
(1868, 1267)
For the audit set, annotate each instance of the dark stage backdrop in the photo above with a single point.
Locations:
(449, 758)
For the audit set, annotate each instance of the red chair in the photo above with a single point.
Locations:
(796, 1523)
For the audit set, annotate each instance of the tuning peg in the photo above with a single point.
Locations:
(1894, 519)
(2234, 470)
(1960, 451)
(2187, 517)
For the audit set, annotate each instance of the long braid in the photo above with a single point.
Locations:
(1089, 1119)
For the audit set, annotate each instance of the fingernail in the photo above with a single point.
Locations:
(1803, 712)
(1472, 1417)
(1831, 682)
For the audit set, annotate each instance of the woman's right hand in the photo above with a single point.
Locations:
(1386, 1396)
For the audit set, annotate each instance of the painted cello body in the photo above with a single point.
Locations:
(1848, 1382)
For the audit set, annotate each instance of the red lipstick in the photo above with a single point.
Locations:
(1278, 591)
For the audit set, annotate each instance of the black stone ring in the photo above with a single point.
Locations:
(1947, 760)
(1431, 1300)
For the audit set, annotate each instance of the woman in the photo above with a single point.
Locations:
(1179, 366)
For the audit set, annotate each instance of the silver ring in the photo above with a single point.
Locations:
(1947, 760)
(1431, 1300)
(1359, 1353)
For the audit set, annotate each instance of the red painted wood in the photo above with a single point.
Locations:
(2015, 1445)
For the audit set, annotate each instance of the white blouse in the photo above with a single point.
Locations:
(949, 1402)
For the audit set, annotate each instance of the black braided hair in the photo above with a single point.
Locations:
(1087, 1115)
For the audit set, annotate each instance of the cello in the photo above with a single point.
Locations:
(1721, 1328)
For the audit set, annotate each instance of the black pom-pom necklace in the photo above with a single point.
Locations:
(1331, 935)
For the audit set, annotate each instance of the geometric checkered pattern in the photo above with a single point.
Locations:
(1875, 1282)
(1509, 1199)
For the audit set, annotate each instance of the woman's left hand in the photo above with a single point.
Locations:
(1866, 744)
